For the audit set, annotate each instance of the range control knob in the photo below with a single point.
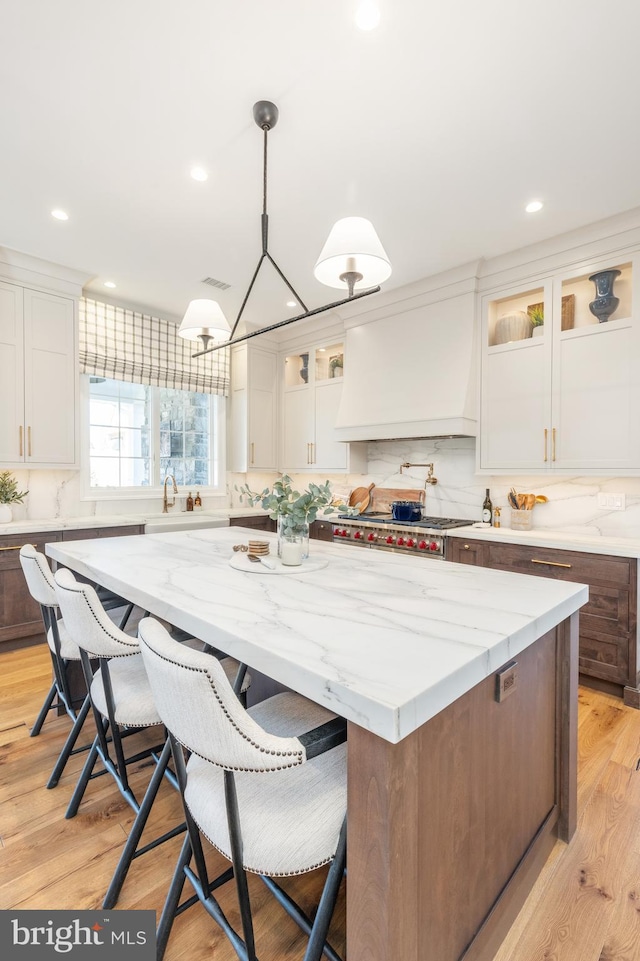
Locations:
(344, 532)
(372, 536)
(400, 541)
(410, 542)
(358, 536)
(433, 546)
(390, 539)
(422, 545)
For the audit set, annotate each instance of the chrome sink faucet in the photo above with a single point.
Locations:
(166, 504)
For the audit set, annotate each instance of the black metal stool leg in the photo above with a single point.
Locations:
(69, 744)
(130, 849)
(83, 780)
(172, 901)
(318, 937)
(46, 707)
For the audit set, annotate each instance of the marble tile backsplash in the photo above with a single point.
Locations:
(572, 505)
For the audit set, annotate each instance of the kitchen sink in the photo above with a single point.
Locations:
(164, 523)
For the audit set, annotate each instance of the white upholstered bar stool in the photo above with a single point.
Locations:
(122, 704)
(41, 585)
(63, 651)
(42, 588)
(266, 786)
(119, 691)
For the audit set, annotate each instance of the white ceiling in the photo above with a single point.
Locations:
(439, 127)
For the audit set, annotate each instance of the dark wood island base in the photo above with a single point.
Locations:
(449, 828)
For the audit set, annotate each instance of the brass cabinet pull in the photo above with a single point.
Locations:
(313, 453)
(550, 563)
(553, 444)
(252, 451)
(16, 547)
(20, 434)
(546, 433)
(466, 547)
(308, 452)
(29, 441)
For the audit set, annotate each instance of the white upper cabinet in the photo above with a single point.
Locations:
(252, 420)
(38, 387)
(559, 385)
(312, 382)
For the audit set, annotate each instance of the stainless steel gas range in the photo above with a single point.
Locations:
(380, 532)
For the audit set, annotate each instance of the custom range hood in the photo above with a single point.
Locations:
(410, 367)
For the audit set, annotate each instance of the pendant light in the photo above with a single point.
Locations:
(352, 259)
(205, 321)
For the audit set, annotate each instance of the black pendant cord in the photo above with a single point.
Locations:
(265, 252)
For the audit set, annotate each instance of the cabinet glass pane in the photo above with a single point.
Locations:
(296, 370)
(603, 291)
(329, 361)
(517, 318)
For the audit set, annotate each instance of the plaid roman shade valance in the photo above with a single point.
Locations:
(126, 345)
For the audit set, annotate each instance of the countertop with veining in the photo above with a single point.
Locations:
(382, 639)
(562, 540)
(118, 520)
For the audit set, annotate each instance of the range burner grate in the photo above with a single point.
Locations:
(434, 523)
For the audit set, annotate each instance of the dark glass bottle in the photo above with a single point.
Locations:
(189, 502)
(487, 509)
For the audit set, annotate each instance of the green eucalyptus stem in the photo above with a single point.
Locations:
(294, 509)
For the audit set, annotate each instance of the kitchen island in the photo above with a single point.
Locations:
(460, 688)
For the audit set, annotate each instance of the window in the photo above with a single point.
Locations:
(138, 434)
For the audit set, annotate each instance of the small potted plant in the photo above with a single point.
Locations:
(335, 366)
(9, 494)
(292, 510)
(536, 315)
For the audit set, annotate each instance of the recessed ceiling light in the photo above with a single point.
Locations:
(109, 283)
(534, 206)
(367, 15)
(322, 350)
(291, 303)
(59, 214)
(199, 173)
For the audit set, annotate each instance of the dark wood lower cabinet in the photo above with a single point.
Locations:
(260, 523)
(19, 614)
(321, 530)
(608, 622)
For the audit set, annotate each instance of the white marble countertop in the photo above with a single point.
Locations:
(115, 520)
(382, 640)
(562, 540)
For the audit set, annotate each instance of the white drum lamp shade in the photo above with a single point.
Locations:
(204, 319)
(353, 247)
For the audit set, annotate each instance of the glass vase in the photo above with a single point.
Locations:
(293, 542)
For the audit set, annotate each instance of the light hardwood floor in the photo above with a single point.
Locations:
(585, 905)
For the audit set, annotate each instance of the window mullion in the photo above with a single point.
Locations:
(155, 435)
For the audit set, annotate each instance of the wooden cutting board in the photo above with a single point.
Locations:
(383, 497)
(361, 497)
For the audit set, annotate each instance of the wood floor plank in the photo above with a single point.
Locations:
(585, 905)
